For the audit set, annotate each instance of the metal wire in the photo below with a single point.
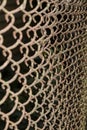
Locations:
(42, 64)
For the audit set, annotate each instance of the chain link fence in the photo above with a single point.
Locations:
(43, 57)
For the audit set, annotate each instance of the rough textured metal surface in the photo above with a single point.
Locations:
(42, 61)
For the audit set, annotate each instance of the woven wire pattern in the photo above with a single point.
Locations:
(42, 59)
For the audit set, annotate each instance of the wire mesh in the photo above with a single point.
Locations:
(42, 64)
